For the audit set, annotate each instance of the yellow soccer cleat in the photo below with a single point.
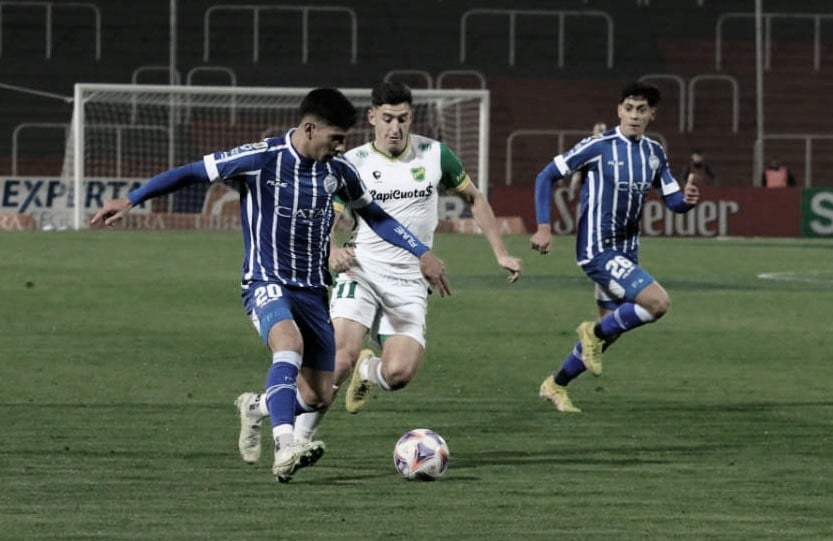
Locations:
(557, 394)
(591, 347)
(358, 392)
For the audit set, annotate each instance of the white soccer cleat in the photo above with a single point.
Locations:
(248, 443)
(293, 457)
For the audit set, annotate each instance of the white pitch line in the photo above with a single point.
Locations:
(805, 277)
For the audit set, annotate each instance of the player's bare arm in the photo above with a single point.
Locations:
(112, 210)
(484, 216)
(341, 257)
(433, 268)
(541, 240)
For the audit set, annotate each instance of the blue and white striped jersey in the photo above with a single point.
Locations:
(286, 208)
(619, 172)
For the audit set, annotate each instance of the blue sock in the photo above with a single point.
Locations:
(571, 368)
(301, 406)
(281, 387)
(628, 316)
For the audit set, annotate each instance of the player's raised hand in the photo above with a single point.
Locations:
(512, 264)
(433, 269)
(112, 210)
(541, 240)
(691, 193)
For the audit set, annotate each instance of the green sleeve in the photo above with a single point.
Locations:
(454, 175)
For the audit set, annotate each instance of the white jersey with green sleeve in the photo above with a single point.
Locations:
(406, 187)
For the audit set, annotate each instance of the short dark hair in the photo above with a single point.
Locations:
(330, 106)
(638, 89)
(392, 93)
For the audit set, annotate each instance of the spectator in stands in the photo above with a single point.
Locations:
(287, 185)
(578, 177)
(700, 168)
(777, 175)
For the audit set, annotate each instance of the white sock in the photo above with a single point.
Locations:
(282, 434)
(306, 425)
(260, 406)
(371, 370)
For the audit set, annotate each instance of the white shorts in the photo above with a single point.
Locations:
(386, 305)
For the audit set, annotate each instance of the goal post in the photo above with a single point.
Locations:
(123, 134)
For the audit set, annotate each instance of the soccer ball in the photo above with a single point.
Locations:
(421, 454)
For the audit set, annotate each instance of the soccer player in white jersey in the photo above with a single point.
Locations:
(287, 187)
(381, 291)
(619, 167)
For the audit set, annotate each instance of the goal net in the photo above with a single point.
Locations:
(122, 135)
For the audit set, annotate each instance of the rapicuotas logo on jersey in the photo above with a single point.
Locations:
(418, 173)
(392, 195)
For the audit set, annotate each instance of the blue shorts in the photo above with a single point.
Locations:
(268, 303)
(618, 276)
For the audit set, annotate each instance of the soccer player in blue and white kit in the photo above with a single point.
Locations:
(620, 168)
(287, 186)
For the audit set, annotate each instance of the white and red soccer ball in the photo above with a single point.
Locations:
(421, 454)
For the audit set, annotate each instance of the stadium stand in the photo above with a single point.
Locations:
(535, 82)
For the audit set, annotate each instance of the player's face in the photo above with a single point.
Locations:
(324, 142)
(634, 116)
(392, 125)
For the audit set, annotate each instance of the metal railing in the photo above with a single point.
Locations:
(692, 83)
(768, 18)
(118, 131)
(687, 96)
(232, 81)
(427, 81)
(474, 74)
(49, 7)
(64, 126)
(561, 15)
(256, 10)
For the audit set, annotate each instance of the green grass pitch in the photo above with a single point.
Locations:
(121, 354)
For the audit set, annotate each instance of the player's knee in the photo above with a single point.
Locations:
(324, 402)
(398, 379)
(660, 307)
(398, 384)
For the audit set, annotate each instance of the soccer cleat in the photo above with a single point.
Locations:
(557, 394)
(358, 392)
(591, 347)
(248, 443)
(295, 456)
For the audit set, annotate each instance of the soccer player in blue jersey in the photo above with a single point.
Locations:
(379, 291)
(287, 187)
(620, 167)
